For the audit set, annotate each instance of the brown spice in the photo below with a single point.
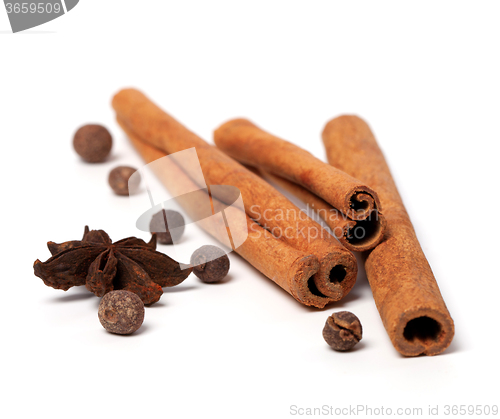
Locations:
(166, 223)
(342, 330)
(121, 181)
(210, 263)
(121, 312)
(403, 285)
(92, 143)
(102, 266)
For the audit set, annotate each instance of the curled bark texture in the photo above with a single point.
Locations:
(289, 268)
(403, 285)
(355, 235)
(264, 204)
(249, 144)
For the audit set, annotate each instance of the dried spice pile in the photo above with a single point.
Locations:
(315, 269)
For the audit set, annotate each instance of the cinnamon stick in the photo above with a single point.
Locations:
(263, 203)
(249, 144)
(289, 268)
(357, 236)
(403, 285)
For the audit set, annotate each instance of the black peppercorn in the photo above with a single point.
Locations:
(121, 312)
(210, 263)
(163, 224)
(119, 180)
(342, 330)
(92, 143)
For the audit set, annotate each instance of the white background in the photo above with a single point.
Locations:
(424, 75)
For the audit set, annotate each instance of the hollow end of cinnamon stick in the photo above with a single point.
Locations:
(422, 331)
(336, 276)
(362, 235)
(301, 282)
(361, 203)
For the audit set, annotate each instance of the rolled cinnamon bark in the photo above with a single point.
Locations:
(289, 268)
(263, 203)
(357, 236)
(403, 285)
(249, 144)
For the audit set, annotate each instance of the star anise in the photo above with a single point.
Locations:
(102, 266)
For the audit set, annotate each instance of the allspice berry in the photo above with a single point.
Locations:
(92, 143)
(121, 182)
(342, 330)
(168, 226)
(210, 263)
(121, 312)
